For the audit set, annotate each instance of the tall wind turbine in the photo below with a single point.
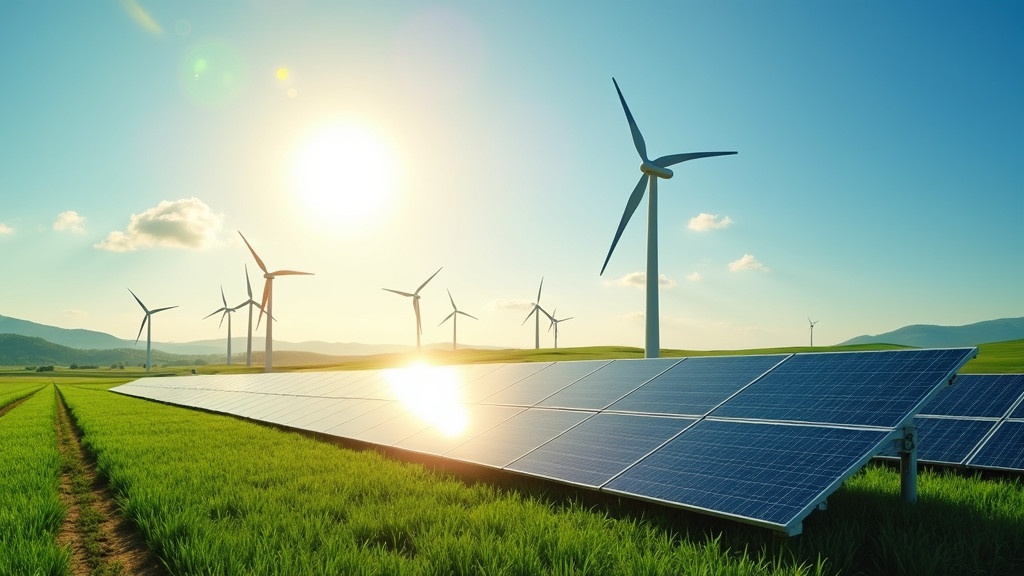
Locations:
(455, 319)
(267, 305)
(652, 170)
(536, 312)
(250, 303)
(416, 304)
(811, 324)
(148, 325)
(226, 311)
(555, 322)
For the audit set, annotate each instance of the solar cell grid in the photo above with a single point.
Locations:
(479, 419)
(338, 415)
(503, 377)
(599, 389)
(696, 385)
(355, 427)
(1004, 450)
(516, 436)
(946, 440)
(600, 447)
(988, 395)
(855, 388)
(538, 386)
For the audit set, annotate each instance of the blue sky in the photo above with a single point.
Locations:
(879, 180)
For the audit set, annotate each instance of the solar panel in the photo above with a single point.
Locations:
(1004, 450)
(988, 395)
(768, 474)
(503, 377)
(510, 440)
(946, 440)
(599, 448)
(598, 389)
(479, 418)
(870, 389)
(696, 385)
(538, 386)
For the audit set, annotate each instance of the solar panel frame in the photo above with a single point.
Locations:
(948, 441)
(1003, 449)
(978, 395)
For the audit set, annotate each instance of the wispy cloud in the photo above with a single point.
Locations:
(5, 229)
(694, 277)
(512, 305)
(186, 223)
(639, 280)
(75, 313)
(69, 221)
(747, 262)
(704, 222)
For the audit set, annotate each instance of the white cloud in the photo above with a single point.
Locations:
(69, 221)
(5, 229)
(694, 277)
(639, 280)
(747, 262)
(75, 313)
(704, 221)
(512, 305)
(186, 223)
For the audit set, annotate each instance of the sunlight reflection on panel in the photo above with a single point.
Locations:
(432, 393)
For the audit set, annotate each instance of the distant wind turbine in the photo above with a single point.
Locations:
(226, 311)
(148, 325)
(267, 305)
(536, 311)
(416, 304)
(455, 319)
(811, 324)
(652, 170)
(555, 322)
(250, 303)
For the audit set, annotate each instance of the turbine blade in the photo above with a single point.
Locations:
(428, 280)
(254, 255)
(666, 161)
(446, 318)
(141, 326)
(454, 307)
(532, 311)
(263, 304)
(416, 309)
(161, 309)
(290, 273)
(566, 319)
(212, 313)
(539, 288)
(550, 317)
(399, 292)
(222, 319)
(638, 138)
(139, 301)
(631, 205)
(248, 285)
(222, 296)
(465, 314)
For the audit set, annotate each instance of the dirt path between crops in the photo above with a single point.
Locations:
(100, 539)
(13, 405)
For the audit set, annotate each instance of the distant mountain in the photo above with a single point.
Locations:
(72, 338)
(17, 350)
(930, 336)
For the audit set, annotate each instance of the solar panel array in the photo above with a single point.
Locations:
(761, 439)
(977, 423)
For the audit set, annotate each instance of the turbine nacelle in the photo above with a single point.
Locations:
(652, 169)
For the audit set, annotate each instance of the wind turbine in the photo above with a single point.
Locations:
(455, 319)
(416, 304)
(536, 312)
(250, 303)
(811, 324)
(555, 322)
(226, 312)
(148, 324)
(652, 170)
(267, 305)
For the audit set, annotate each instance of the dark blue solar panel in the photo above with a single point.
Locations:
(599, 448)
(613, 381)
(771, 473)
(946, 440)
(503, 377)
(479, 419)
(981, 395)
(536, 387)
(866, 388)
(516, 436)
(1004, 450)
(696, 385)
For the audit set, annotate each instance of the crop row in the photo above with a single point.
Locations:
(31, 512)
(216, 495)
(11, 393)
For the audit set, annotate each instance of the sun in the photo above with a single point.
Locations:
(345, 174)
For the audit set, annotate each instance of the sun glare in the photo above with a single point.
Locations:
(433, 394)
(345, 174)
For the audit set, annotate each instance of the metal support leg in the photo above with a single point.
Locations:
(908, 465)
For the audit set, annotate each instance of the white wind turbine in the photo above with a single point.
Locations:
(555, 322)
(811, 324)
(416, 304)
(652, 170)
(267, 305)
(536, 312)
(148, 324)
(226, 312)
(455, 319)
(250, 303)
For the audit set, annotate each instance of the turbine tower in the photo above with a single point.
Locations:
(652, 170)
(536, 312)
(455, 319)
(148, 325)
(226, 312)
(250, 303)
(811, 324)
(416, 304)
(555, 322)
(267, 305)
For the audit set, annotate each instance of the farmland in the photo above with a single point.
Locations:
(213, 494)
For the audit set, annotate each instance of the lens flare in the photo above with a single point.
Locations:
(433, 394)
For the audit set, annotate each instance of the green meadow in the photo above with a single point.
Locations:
(214, 494)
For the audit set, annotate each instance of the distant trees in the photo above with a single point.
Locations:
(44, 369)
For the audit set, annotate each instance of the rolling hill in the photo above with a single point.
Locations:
(930, 336)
